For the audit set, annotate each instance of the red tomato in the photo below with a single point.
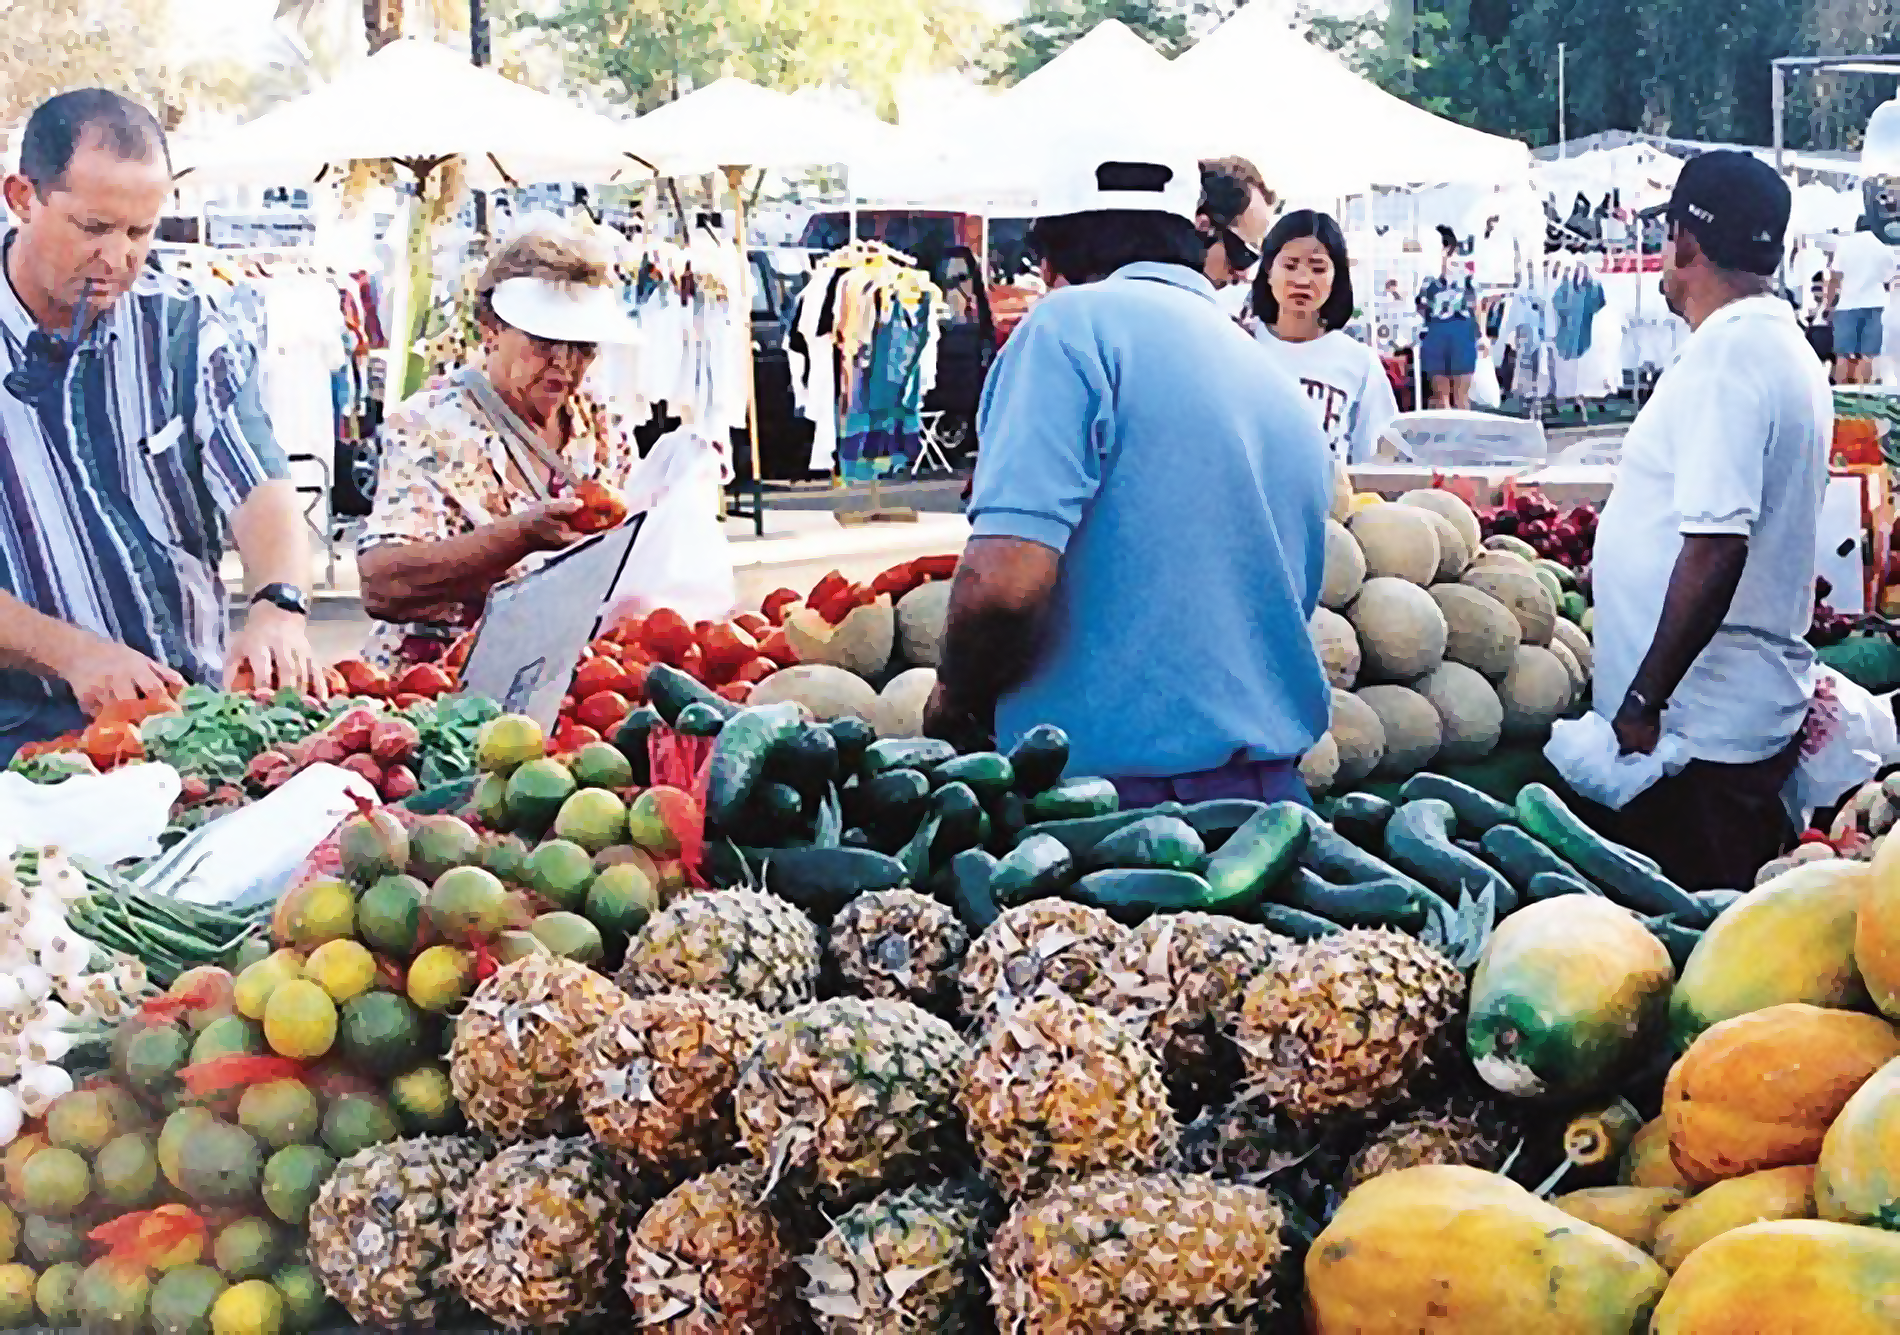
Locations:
(603, 711)
(596, 675)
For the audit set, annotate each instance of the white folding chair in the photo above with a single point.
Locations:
(317, 511)
(934, 445)
(1451, 437)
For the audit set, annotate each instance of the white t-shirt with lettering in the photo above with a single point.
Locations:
(1865, 264)
(1345, 383)
(1735, 440)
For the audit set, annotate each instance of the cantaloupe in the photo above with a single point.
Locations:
(1480, 631)
(828, 692)
(860, 643)
(1360, 737)
(1572, 637)
(1523, 593)
(1443, 502)
(1401, 631)
(1345, 568)
(1411, 729)
(920, 617)
(1535, 694)
(1319, 767)
(1399, 542)
(1469, 713)
(1342, 492)
(1337, 646)
(1579, 683)
(900, 706)
(1453, 553)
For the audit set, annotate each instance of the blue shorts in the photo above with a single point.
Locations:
(1857, 333)
(1449, 347)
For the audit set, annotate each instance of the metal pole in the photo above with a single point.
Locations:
(735, 178)
(478, 53)
(1779, 103)
(1563, 130)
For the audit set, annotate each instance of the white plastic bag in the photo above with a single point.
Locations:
(680, 559)
(1485, 392)
(1846, 738)
(65, 815)
(1586, 753)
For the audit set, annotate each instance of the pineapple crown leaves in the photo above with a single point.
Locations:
(1461, 934)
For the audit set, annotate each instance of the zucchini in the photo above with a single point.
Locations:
(1551, 884)
(1009, 814)
(963, 819)
(1075, 799)
(918, 753)
(1079, 836)
(1292, 923)
(1678, 940)
(1520, 857)
(855, 837)
(1130, 894)
(1338, 860)
(1216, 821)
(1626, 880)
(828, 828)
(1037, 867)
(967, 882)
(1038, 759)
(1154, 843)
(699, 719)
(1257, 858)
(1477, 812)
(852, 736)
(824, 880)
(915, 855)
(892, 804)
(1361, 817)
(1716, 901)
(1394, 903)
(739, 756)
(988, 773)
(670, 691)
(630, 739)
(808, 760)
(1418, 841)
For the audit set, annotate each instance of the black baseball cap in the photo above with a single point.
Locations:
(1737, 206)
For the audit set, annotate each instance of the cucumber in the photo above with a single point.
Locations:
(1551, 884)
(630, 739)
(919, 753)
(852, 736)
(1079, 836)
(1394, 903)
(1361, 817)
(988, 773)
(1039, 866)
(1477, 812)
(1342, 862)
(1627, 881)
(824, 880)
(855, 837)
(1293, 923)
(963, 820)
(1009, 814)
(1418, 841)
(1716, 901)
(777, 810)
(670, 691)
(828, 827)
(1257, 858)
(967, 882)
(1520, 857)
(738, 761)
(891, 804)
(1155, 843)
(808, 760)
(1216, 821)
(1074, 799)
(1678, 940)
(1039, 758)
(1130, 894)
(915, 854)
(699, 719)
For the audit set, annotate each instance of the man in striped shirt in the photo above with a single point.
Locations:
(132, 446)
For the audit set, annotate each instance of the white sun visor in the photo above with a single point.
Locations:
(569, 312)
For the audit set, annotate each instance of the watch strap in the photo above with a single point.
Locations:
(286, 596)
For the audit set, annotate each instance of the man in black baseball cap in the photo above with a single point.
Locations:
(1705, 554)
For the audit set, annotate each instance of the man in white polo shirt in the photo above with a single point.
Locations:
(1857, 296)
(1705, 555)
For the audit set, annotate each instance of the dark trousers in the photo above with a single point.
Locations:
(1712, 827)
(1254, 780)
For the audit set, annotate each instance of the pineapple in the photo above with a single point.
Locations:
(381, 1226)
(1121, 1252)
(1346, 1023)
(909, 1261)
(1444, 1137)
(738, 943)
(901, 946)
(1046, 944)
(849, 1096)
(518, 1043)
(538, 1234)
(711, 1259)
(1245, 1143)
(656, 1080)
(1059, 1089)
(1180, 976)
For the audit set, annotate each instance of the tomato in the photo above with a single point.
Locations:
(599, 674)
(736, 691)
(426, 679)
(777, 603)
(603, 711)
(667, 636)
(570, 737)
(779, 649)
(757, 669)
(135, 711)
(242, 679)
(693, 663)
(404, 699)
(109, 745)
(726, 648)
(755, 624)
(361, 679)
(830, 586)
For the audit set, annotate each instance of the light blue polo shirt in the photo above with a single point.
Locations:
(1132, 426)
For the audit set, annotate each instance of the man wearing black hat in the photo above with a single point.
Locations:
(1705, 554)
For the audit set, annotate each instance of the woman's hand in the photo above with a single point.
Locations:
(548, 526)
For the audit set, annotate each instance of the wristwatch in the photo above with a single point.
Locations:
(287, 596)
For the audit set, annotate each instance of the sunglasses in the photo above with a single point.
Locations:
(43, 367)
(554, 347)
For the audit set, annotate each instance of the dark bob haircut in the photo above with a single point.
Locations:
(1336, 311)
(1082, 247)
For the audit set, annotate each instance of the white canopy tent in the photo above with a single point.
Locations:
(732, 123)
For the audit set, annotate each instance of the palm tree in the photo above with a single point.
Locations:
(383, 20)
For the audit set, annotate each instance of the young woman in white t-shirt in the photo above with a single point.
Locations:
(1302, 302)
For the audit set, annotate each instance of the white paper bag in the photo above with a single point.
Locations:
(681, 559)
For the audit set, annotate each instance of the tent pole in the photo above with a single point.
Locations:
(735, 177)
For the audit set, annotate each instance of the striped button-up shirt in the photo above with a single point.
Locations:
(117, 486)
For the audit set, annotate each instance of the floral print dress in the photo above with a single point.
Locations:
(445, 471)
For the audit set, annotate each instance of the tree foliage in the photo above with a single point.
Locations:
(1046, 28)
(49, 46)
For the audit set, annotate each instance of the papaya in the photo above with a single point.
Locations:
(1791, 939)
(1399, 1255)
(1799, 1276)
(1858, 1178)
(1877, 930)
(1647, 1162)
(1567, 992)
(1760, 1090)
(1773, 1193)
(1631, 1213)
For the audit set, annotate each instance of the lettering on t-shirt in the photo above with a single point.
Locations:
(1332, 401)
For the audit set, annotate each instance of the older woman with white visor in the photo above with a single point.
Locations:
(490, 468)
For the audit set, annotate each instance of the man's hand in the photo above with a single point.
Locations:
(549, 526)
(1637, 729)
(101, 672)
(948, 722)
(275, 645)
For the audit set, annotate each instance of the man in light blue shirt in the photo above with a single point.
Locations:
(1148, 515)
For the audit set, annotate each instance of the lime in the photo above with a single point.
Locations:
(246, 1249)
(51, 1241)
(231, 1036)
(112, 1294)
(535, 793)
(600, 765)
(253, 949)
(126, 1171)
(469, 904)
(593, 818)
(381, 1033)
(505, 744)
(16, 1296)
(344, 969)
(9, 1234)
(153, 1058)
(440, 977)
(256, 983)
(300, 1021)
(81, 1121)
(53, 1295)
(560, 871)
(172, 1136)
(209, 991)
(389, 916)
(440, 844)
(621, 899)
(182, 1300)
(251, 1308)
(13, 1163)
(370, 846)
(55, 1183)
(319, 911)
(490, 802)
(172, 1236)
(426, 1102)
(569, 935)
(648, 825)
(355, 1122)
(280, 1112)
(305, 1302)
(512, 946)
(506, 856)
(292, 1178)
(220, 1164)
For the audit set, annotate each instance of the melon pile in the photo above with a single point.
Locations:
(1439, 643)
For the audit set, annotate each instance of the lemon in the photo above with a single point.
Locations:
(344, 969)
(9, 1234)
(439, 977)
(251, 1308)
(252, 992)
(322, 911)
(16, 1295)
(300, 1021)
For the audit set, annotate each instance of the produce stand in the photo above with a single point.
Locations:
(574, 1026)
